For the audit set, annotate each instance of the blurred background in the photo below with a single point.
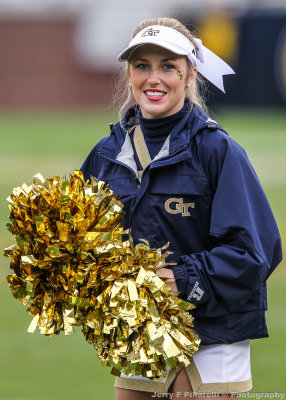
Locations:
(57, 74)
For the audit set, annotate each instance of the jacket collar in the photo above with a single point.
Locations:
(126, 155)
(179, 137)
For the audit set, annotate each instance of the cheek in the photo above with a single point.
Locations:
(136, 79)
(178, 85)
(178, 81)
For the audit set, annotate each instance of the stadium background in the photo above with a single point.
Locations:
(57, 66)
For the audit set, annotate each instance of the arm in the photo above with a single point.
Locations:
(247, 242)
(89, 167)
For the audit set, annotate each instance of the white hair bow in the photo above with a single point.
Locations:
(211, 66)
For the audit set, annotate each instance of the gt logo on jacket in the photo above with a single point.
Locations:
(178, 206)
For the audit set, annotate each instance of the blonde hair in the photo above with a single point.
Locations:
(123, 94)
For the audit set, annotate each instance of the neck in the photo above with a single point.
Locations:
(162, 126)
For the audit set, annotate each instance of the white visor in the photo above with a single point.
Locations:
(162, 36)
(208, 64)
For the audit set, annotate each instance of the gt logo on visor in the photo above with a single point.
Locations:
(150, 32)
(177, 206)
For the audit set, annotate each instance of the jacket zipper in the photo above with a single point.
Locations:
(172, 154)
(166, 157)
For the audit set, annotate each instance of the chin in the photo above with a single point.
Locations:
(155, 112)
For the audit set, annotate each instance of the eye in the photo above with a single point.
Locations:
(141, 66)
(168, 67)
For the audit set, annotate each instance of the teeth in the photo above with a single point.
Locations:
(154, 94)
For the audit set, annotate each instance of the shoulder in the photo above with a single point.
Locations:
(215, 150)
(102, 143)
(109, 144)
(90, 165)
(213, 140)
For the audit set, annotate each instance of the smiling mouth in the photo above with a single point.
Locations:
(155, 94)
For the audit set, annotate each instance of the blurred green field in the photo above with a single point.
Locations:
(59, 368)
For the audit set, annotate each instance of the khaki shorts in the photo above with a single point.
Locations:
(217, 369)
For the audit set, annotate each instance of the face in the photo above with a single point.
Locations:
(157, 87)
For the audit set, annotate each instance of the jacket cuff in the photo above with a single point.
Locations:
(190, 288)
(181, 277)
(196, 292)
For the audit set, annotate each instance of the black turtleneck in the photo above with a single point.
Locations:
(156, 130)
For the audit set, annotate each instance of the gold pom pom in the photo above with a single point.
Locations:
(72, 267)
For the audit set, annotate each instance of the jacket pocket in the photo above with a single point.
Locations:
(118, 177)
(180, 208)
(123, 187)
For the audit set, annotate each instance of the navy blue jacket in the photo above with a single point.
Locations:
(202, 195)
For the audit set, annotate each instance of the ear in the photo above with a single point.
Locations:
(192, 74)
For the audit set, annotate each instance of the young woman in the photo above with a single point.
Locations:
(183, 180)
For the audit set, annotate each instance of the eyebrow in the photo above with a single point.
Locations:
(164, 59)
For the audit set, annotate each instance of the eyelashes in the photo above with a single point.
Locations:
(165, 67)
(168, 67)
(141, 66)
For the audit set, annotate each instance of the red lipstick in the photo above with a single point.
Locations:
(154, 94)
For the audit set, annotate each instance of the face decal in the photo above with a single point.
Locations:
(180, 74)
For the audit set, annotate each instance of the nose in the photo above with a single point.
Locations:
(154, 76)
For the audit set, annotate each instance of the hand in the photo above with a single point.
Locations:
(168, 273)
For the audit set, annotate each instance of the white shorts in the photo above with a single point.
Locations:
(218, 369)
